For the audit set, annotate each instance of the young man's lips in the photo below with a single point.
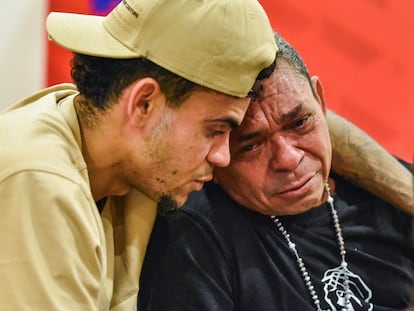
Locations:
(199, 185)
(205, 179)
(200, 182)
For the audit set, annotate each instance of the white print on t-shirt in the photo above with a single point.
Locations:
(359, 293)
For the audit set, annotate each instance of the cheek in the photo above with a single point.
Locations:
(327, 155)
(193, 154)
(187, 147)
(322, 150)
(240, 180)
(249, 187)
(319, 145)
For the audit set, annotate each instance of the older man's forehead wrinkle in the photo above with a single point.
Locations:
(253, 125)
(292, 114)
(278, 113)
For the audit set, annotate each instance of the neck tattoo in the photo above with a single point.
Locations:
(342, 270)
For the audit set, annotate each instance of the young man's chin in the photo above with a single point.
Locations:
(168, 205)
(172, 202)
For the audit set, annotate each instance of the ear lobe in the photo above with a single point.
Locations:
(319, 92)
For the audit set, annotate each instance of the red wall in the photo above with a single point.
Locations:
(361, 50)
(58, 69)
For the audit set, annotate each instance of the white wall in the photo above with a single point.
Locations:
(22, 48)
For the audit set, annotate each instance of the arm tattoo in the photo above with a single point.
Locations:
(360, 159)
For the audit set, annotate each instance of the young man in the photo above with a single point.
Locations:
(278, 231)
(159, 86)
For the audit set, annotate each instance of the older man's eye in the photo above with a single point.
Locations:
(249, 148)
(304, 121)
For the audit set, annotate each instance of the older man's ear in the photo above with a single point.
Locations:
(319, 93)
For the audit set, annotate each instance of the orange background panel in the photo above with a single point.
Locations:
(362, 51)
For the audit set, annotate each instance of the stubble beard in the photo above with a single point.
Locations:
(167, 205)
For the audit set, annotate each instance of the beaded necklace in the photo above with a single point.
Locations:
(343, 270)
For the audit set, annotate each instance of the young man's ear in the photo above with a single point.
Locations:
(143, 97)
(319, 92)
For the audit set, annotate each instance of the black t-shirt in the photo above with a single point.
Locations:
(217, 255)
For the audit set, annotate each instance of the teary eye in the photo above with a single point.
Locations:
(303, 121)
(248, 148)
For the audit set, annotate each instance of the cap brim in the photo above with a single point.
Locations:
(85, 34)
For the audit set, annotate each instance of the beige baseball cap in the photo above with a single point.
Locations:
(218, 44)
